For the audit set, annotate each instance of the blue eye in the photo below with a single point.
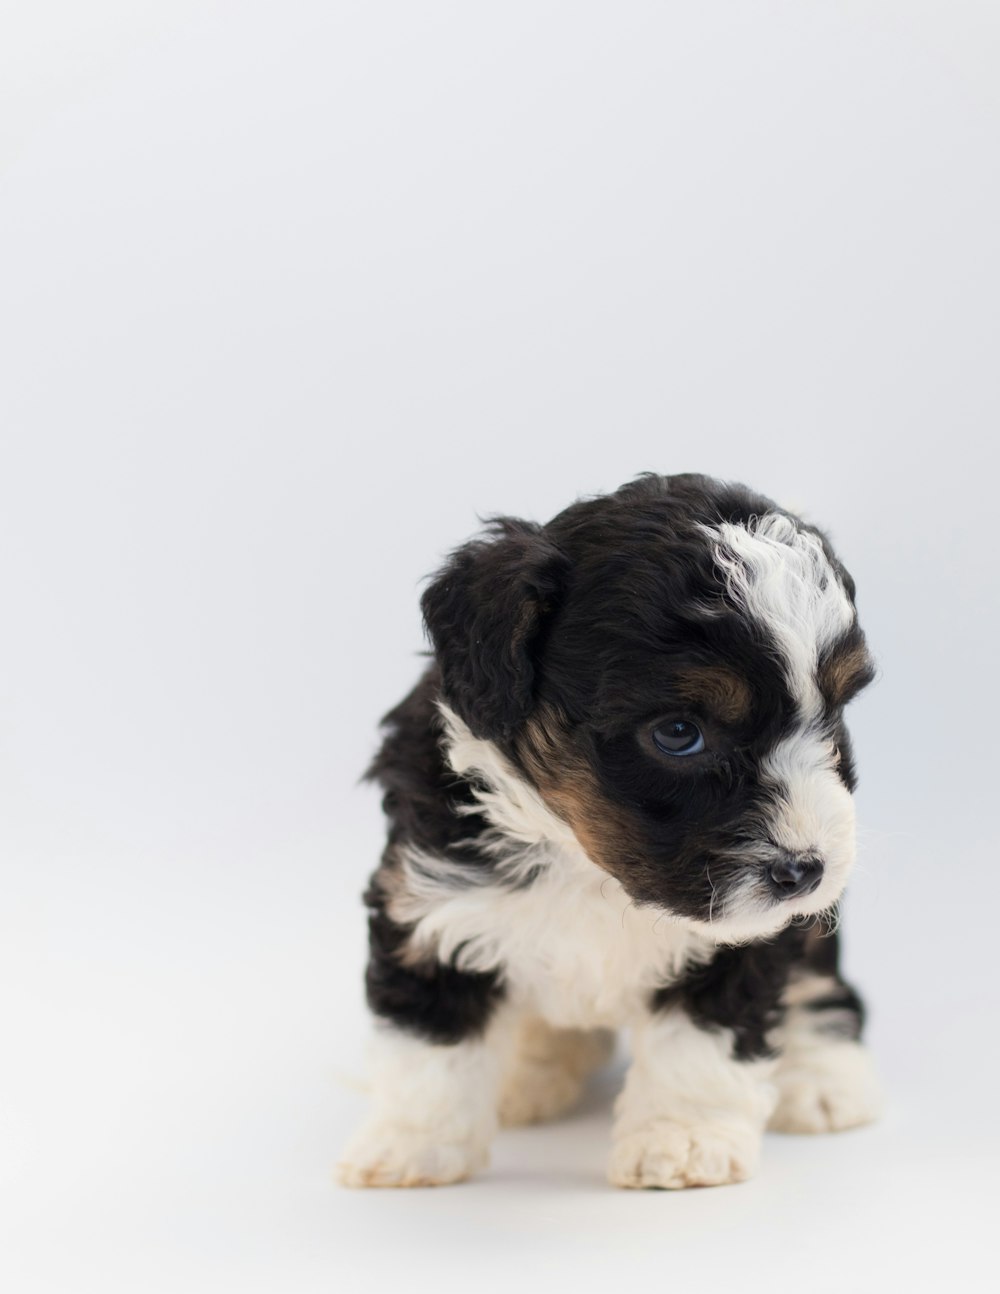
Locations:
(679, 738)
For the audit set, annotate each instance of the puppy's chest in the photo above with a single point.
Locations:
(573, 948)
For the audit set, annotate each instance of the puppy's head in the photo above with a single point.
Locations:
(668, 665)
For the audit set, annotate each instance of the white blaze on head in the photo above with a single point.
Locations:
(780, 577)
(813, 811)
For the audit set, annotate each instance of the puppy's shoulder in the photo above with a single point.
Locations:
(426, 804)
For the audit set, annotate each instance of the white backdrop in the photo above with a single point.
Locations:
(289, 294)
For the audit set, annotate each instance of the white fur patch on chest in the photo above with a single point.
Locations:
(571, 945)
(569, 941)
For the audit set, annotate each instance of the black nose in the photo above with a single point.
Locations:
(791, 876)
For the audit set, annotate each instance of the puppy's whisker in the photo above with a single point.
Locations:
(711, 901)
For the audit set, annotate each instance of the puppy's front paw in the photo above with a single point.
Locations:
(827, 1089)
(390, 1154)
(670, 1154)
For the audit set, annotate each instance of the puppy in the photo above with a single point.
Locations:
(620, 796)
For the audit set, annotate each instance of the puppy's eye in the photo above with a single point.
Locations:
(678, 738)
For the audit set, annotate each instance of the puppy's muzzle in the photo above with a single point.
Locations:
(792, 875)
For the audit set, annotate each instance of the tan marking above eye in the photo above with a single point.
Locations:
(718, 689)
(845, 672)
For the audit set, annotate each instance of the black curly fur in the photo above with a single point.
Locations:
(739, 989)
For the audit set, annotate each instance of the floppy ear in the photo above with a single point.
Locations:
(483, 612)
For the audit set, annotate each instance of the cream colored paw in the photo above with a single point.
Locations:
(387, 1154)
(549, 1071)
(826, 1089)
(671, 1155)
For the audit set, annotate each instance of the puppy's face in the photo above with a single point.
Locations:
(671, 674)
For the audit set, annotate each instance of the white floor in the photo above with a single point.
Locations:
(182, 1060)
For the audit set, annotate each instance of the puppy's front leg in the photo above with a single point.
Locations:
(690, 1114)
(433, 1110)
(441, 1042)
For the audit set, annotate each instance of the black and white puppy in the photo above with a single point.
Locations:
(620, 796)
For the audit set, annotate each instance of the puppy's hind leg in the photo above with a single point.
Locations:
(548, 1068)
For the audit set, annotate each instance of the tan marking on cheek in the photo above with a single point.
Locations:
(567, 784)
(575, 802)
(719, 690)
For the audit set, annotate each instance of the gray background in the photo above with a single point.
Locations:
(290, 293)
